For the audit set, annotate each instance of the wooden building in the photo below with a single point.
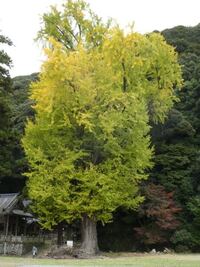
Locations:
(18, 228)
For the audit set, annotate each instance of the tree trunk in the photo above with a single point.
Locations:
(89, 244)
(60, 234)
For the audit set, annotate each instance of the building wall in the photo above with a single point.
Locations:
(17, 245)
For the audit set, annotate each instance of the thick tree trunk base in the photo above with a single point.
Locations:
(89, 246)
(64, 252)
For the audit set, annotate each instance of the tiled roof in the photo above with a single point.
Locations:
(8, 202)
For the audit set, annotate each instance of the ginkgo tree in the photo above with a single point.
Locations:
(89, 146)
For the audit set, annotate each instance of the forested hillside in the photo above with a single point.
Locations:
(177, 151)
(170, 214)
(177, 142)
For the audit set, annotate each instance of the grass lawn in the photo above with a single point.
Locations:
(143, 260)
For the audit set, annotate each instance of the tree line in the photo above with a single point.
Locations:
(105, 113)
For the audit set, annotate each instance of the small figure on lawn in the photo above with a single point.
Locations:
(34, 251)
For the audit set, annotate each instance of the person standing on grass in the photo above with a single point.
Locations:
(34, 251)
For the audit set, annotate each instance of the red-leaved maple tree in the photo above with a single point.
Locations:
(157, 215)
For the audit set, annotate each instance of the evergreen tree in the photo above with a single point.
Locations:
(6, 136)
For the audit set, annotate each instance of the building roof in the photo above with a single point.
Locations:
(22, 213)
(8, 202)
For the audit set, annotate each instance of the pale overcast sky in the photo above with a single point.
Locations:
(20, 20)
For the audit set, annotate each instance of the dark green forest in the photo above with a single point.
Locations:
(170, 214)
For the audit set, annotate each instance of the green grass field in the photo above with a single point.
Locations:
(119, 261)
